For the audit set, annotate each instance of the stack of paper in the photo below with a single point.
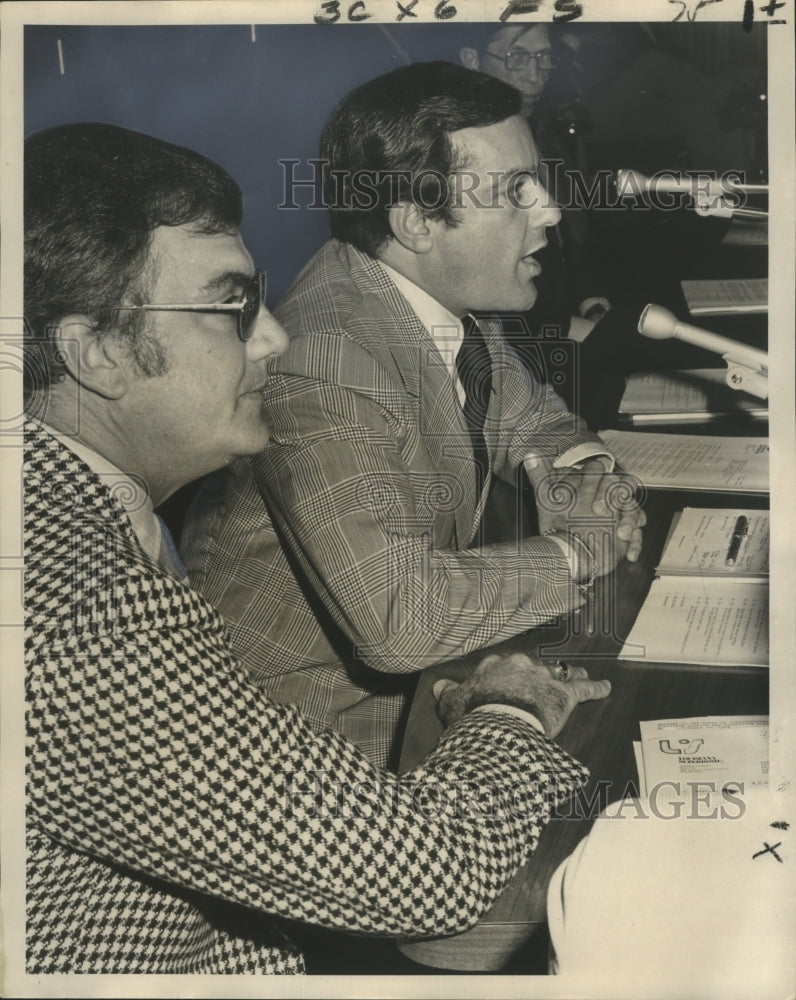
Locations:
(746, 233)
(692, 396)
(676, 756)
(717, 297)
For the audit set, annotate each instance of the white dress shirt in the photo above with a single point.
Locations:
(133, 495)
(445, 329)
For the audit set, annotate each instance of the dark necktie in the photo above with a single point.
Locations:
(474, 368)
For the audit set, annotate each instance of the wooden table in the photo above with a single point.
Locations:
(600, 734)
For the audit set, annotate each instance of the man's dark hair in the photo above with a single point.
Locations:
(93, 195)
(389, 141)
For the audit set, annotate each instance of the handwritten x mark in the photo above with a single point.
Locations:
(768, 849)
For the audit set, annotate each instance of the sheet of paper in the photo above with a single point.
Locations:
(706, 620)
(638, 754)
(714, 297)
(699, 390)
(723, 750)
(700, 539)
(692, 461)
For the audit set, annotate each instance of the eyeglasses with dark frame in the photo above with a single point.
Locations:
(516, 59)
(248, 309)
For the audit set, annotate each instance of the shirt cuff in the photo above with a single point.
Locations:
(518, 713)
(582, 452)
(568, 551)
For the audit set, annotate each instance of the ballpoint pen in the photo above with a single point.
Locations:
(738, 534)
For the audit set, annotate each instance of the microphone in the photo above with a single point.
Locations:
(711, 196)
(671, 183)
(747, 366)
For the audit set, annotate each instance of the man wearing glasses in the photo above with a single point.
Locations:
(177, 819)
(519, 55)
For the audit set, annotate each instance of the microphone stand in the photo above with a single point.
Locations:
(747, 367)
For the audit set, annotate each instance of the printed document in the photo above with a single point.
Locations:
(701, 540)
(713, 298)
(722, 750)
(692, 461)
(688, 395)
(705, 620)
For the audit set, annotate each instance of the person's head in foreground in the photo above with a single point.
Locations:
(118, 225)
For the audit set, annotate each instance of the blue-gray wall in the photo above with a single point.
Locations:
(246, 104)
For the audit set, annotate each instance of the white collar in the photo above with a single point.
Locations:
(445, 329)
(131, 492)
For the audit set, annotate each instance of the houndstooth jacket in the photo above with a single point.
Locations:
(357, 565)
(175, 814)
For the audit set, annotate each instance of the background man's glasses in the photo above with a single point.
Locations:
(248, 309)
(520, 58)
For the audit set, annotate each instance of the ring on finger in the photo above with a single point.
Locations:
(561, 670)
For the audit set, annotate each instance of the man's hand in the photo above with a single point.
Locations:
(517, 680)
(570, 498)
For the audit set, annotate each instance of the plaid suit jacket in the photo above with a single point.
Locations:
(339, 556)
(175, 813)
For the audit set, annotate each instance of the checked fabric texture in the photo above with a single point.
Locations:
(340, 556)
(175, 814)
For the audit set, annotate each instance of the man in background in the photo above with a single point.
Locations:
(346, 556)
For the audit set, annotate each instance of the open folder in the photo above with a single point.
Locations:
(709, 601)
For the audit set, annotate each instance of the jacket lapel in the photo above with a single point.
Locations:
(442, 422)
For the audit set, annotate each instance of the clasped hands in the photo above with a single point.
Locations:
(599, 506)
(515, 679)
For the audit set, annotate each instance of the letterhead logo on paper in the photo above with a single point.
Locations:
(684, 748)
